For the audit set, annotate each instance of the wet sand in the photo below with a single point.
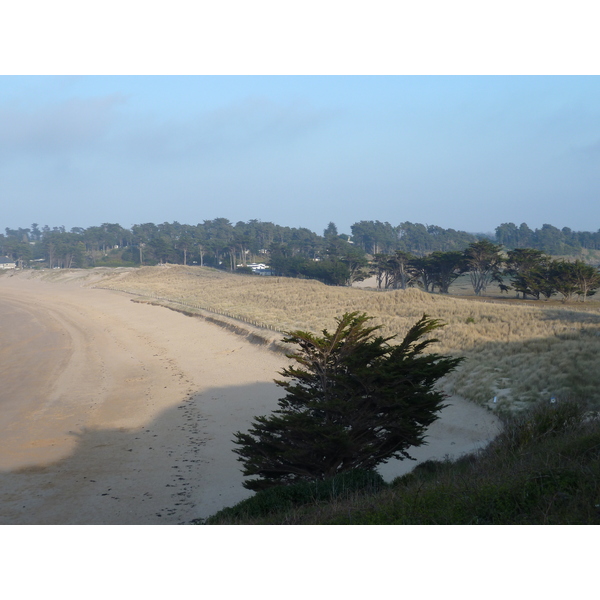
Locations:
(115, 412)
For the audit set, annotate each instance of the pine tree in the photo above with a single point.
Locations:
(352, 401)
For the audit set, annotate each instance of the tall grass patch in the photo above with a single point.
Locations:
(516, 353)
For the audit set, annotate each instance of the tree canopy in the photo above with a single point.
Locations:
(399, 256)
(352, 401)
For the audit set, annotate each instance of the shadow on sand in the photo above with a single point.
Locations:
(178, 467)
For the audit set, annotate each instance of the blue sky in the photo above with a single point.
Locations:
(467, 152)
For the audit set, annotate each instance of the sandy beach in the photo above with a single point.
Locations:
(119, 412)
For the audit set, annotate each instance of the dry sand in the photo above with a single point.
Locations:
(115, 412)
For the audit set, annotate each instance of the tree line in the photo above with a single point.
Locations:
(548, 239)
(375, 237)
(528, 271)
(410, 254)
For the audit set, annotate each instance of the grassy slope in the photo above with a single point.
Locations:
(543, 469)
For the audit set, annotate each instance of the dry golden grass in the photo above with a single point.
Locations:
(519, 353)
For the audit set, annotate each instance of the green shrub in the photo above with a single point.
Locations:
(543, 420)
(284, 497)
(244, 271)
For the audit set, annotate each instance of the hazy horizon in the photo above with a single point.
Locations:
(461, 152)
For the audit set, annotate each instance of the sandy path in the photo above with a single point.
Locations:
(123, 413)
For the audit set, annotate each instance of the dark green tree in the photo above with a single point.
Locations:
(352, 401)
(375, 237)
(355, 261)
(400, 272)
(161, 250)
(186, 241)
(413, 238)
(550, 239)
(539, 280)
(521, 265)
(588, 278)
(425, 272)
(564, 278)
(330, 272)
(483, 261)
(447, 267)
(381, 269)
(330, 231)
(507, 235)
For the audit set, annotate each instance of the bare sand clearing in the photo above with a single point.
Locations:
(115, 412)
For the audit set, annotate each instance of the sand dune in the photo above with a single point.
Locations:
(118, 412)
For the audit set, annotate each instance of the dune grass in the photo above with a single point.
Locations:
(517, 353)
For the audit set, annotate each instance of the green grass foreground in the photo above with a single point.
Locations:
(544, 468)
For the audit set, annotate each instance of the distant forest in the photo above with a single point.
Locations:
(332, 257)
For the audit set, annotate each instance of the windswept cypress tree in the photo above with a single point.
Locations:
(352, 401)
